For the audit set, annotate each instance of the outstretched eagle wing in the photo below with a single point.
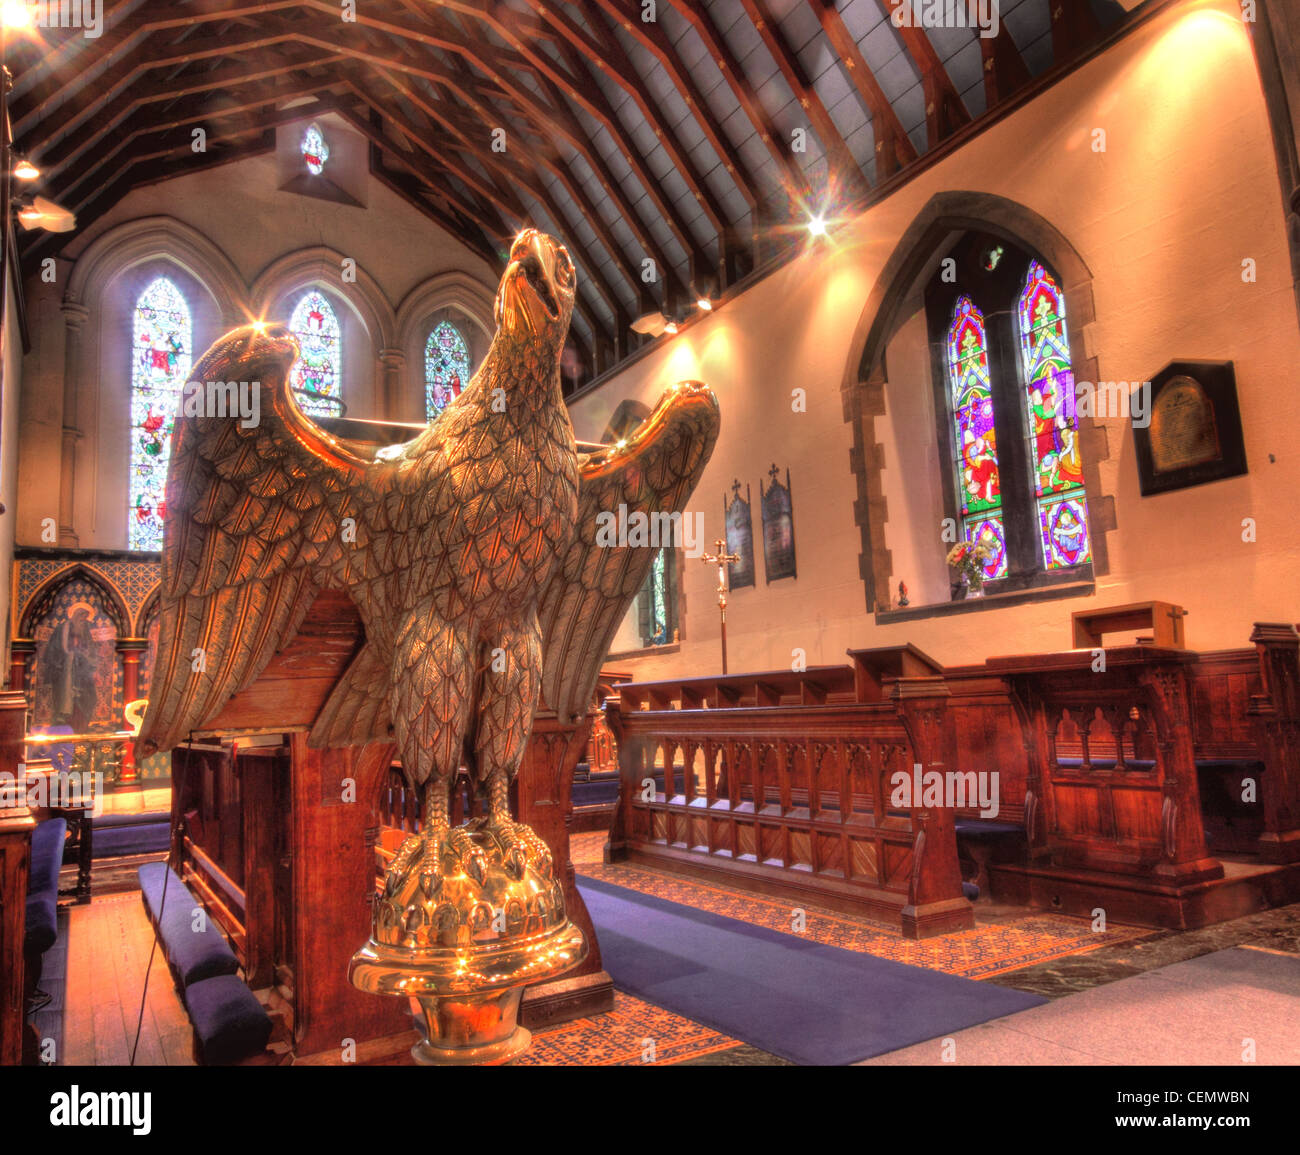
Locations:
(254, 516)
(652, 471)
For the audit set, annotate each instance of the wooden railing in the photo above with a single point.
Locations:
(783, 780)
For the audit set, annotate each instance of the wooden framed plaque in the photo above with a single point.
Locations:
(1192, 430)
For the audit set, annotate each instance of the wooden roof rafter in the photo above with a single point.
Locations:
(439, 110)
(945, 111)
(837, 152)
(894, 148)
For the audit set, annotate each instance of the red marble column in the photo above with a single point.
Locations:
(131, 650)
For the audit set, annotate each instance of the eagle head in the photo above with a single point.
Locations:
(537, 291)
(261, 349)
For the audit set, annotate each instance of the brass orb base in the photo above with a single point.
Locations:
(463, 925)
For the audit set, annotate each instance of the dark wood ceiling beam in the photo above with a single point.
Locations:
(430, 168)
(607, 55)
(894, 148)
(1075, 29)
(152, 148)
(627, 15)
(745, 95)
(945, 111)
(191, 110)
(440, 111)
(1005, 70)
(555, 116)
(127, 36)
(843, 167)
(93, 95)
(502, 199)
(259, 141)
(55, 159)
(428, 187)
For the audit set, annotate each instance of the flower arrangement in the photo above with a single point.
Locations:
(969, 558)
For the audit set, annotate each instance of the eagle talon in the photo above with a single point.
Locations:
(467, 855)
(521, 844)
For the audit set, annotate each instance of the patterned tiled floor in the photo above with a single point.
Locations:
(989, 949)
(633, 1034)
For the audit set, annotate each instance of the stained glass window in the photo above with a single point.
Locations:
(314, 377)
(446, 367)
(160, 365)
(315, 152)
(1052, 422)
(659, 600)
(979, 488)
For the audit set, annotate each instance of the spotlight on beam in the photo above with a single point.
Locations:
(704, 304)
(15, 14)
(671, 328)
(25, 170)
(817, 225)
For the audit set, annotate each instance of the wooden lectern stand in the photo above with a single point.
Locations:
(278, 840)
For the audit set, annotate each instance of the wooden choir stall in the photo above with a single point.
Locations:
(285, 846)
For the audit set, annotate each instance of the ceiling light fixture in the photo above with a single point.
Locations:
(25, 170)
(704, 304)
(817, 226)
(43, 214)
(651, 324)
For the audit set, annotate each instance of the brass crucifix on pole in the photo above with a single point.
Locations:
(721, 559)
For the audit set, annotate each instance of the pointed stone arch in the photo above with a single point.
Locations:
(944, 218)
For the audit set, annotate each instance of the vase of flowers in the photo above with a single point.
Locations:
(969, 558)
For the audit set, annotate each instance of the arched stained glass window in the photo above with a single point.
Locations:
(314, 377)
(978, 480)
(162, 344)
(1053, 427)
(446, 368)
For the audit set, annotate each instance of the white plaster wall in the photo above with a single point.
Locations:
(1186, 189)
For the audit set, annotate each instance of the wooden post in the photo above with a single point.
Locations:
(1184, 859)
(1275, 716)
(16, 826)
(935, 903)
(544, 801)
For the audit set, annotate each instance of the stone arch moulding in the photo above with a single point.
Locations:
(450, 290)
(158, 238)
(944, 216)
(447, 290)
(110, 255)
(322, 267)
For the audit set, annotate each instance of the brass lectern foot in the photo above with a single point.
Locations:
(465, 943)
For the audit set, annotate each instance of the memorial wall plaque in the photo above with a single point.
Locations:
(1194, 435)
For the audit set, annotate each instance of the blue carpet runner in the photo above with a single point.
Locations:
(804, 1001)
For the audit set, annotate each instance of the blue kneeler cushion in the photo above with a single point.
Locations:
(192, 955)
(230, 1025)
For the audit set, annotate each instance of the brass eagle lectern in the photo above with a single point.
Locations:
(473, 556)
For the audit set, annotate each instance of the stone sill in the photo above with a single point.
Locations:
(1040, 593)
(644, 652)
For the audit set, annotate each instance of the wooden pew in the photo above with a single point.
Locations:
(779, 781)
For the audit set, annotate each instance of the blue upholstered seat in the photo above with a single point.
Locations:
(229, 1023)
(193, 955)
(42, 915)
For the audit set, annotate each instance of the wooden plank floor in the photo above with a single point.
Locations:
(108, 950)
